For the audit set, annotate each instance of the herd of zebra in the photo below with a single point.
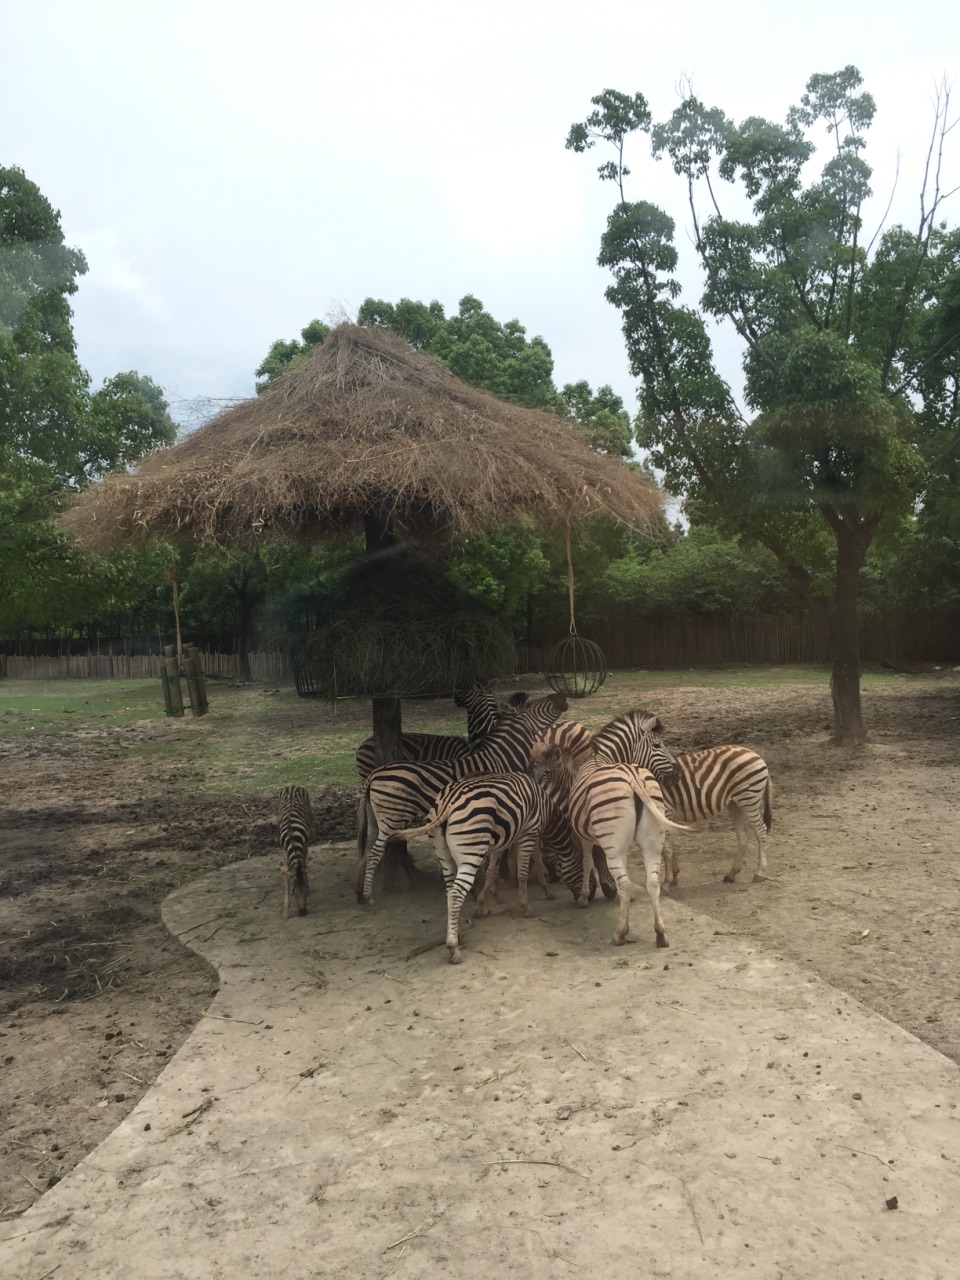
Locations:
(559, 799)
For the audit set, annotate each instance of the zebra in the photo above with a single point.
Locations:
(483, 714)
(396, 795)
(632, 738)
(477, 818)
(296, 821)
(615, 800)
(574, 740)
(727, 780)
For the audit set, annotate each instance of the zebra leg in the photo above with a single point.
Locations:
(370, 864)
(285, 873)
(540, 869)
(617, 865)
(489, 884)
(583, 898)
(650, 839)
(527, 847)
(740, 827)
(671, 867)
(456, 893)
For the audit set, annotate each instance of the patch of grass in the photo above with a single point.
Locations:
(45, 705)
(256, 739)
(737, 676)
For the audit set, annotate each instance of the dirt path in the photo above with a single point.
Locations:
(95, 995)
(352, 1106)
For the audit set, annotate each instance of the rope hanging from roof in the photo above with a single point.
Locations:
(576, 666)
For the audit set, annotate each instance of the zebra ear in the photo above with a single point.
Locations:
(650, 723)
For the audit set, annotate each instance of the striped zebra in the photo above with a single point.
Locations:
(478, 818)
(574, 740)
(614, 801)
(732, 781)
(296, 822)
(397, 795)
(483, 713)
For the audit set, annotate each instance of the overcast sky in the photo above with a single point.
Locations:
(234, 170)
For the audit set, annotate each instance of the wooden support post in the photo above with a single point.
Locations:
(172, 668)
(194, 665)
(165, 684)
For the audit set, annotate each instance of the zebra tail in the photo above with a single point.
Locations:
(411, 833)
(767, 805)
(642, 798)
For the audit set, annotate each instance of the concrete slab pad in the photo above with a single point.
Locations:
(353, 1106)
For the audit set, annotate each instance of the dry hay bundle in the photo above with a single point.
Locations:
(401, 628)
(365, 424)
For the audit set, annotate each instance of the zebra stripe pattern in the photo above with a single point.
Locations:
(483, 714)
(616, 806)
(296, 823)
(396, 795)
(613, 801)
(732, 781)
(632, 738)
(574, 740)
(475, 819)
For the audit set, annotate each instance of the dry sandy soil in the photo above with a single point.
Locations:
(863, 889)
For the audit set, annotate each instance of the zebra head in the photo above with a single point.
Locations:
(632, 738)
(552, 771)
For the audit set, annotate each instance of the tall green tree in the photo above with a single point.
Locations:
(851, 346)
(55, 436)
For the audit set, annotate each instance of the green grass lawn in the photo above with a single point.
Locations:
(254, 741)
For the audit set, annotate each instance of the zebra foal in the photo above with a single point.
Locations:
(295, 822)
(726, 781)
(481, 817)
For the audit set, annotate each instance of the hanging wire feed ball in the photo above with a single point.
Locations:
(576, 667)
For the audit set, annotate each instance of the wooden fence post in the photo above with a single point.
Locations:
(172, 670)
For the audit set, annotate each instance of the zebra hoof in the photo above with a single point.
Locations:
(581, 901)
(455, 956)
(758, 878)
(662, 940)
(730, 878)
(302, 911)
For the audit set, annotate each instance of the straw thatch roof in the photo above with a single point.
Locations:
(364, 424)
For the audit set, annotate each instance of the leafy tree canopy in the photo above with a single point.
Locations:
(851, 345)
(54, 434)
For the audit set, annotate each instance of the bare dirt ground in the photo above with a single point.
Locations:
(95, 994)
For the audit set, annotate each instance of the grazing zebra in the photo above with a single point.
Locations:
(481, 817)
(396, 795)
(483, 713)
(296, 821)
(727, 780)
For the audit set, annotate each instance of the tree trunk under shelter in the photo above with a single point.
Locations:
(387, 714)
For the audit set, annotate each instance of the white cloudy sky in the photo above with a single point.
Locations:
(233, 170)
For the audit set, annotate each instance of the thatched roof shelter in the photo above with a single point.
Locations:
(364, 424)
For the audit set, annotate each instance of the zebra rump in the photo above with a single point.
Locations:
(295, 822)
